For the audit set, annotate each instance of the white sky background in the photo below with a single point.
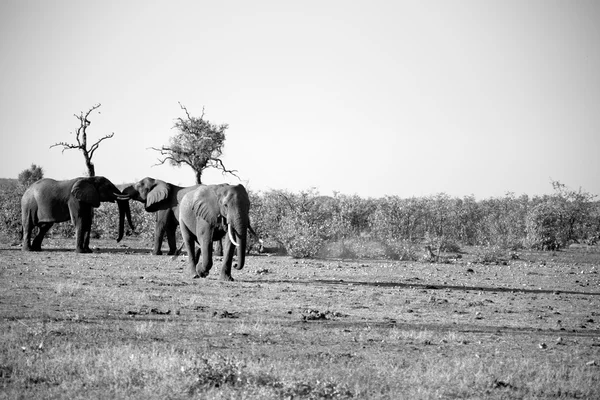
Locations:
(407, 98)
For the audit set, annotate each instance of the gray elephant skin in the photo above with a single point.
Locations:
(213, 212)
(49, 201)
(163, 198)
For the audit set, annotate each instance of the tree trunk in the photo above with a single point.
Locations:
(89, 165)
(198, 177)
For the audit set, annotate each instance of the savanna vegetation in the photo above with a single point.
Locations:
(375, 298)
(308, 224)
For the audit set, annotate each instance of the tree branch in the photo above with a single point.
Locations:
(292, 207)
(188, 114)
(184, 109)
(66, 146)
(169, 156)
(95, 145)
(221, 166)
(86, 120)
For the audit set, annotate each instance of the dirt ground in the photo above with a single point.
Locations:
(538, 305)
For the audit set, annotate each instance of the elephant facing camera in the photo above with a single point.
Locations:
(214, 212)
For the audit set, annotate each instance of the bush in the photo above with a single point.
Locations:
(31, 175)
(106, 221)
(441, 243)
(490, 255)
(565, 217)
(357, 248)
(543, 227)
(10, 211)
(300, 238)
(503, 221)
(302, 223)
(402, 250)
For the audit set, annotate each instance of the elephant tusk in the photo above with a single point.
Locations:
(231, 236)
(119, 196)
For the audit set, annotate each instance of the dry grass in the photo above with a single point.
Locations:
(119, 325)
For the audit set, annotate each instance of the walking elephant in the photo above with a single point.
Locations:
(163, 198)
(49, 201)
(213, 212)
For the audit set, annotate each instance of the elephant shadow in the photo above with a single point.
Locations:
(122, 250)
(104, 250)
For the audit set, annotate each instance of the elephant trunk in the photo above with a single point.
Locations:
(238, 235)
(124, 211)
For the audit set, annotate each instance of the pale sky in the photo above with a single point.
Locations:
(407, 98)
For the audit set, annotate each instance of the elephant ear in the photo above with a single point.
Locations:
(206, 205)
(85, 191)
(159, 192)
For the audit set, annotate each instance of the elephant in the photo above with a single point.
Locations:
(213, 212)
(163, 198)
(49, 201)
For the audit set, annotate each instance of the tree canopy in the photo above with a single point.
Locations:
(198, 143)
(30, 175)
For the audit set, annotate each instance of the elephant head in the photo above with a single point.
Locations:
(152, 192)
(97, 189)
(227, 207)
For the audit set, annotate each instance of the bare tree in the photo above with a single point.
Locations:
(81, 138)
(197, 143)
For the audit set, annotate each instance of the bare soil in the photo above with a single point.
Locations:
(540, 306)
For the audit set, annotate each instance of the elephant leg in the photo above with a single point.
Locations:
(86, 240)
(218, 245)
(171, 240)
(189, 241)
(82, 235)
(228, 251)
(159, 234)
(87, 231)
(27, 228)
(81, 216)
(44, 227)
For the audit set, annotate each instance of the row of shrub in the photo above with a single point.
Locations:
(307, 224)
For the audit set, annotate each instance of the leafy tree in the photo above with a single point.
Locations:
(503, 221)
(467, 214)
(11, 192)
(197, 143)
(30, 175)
(566, 216)
(81, 140)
